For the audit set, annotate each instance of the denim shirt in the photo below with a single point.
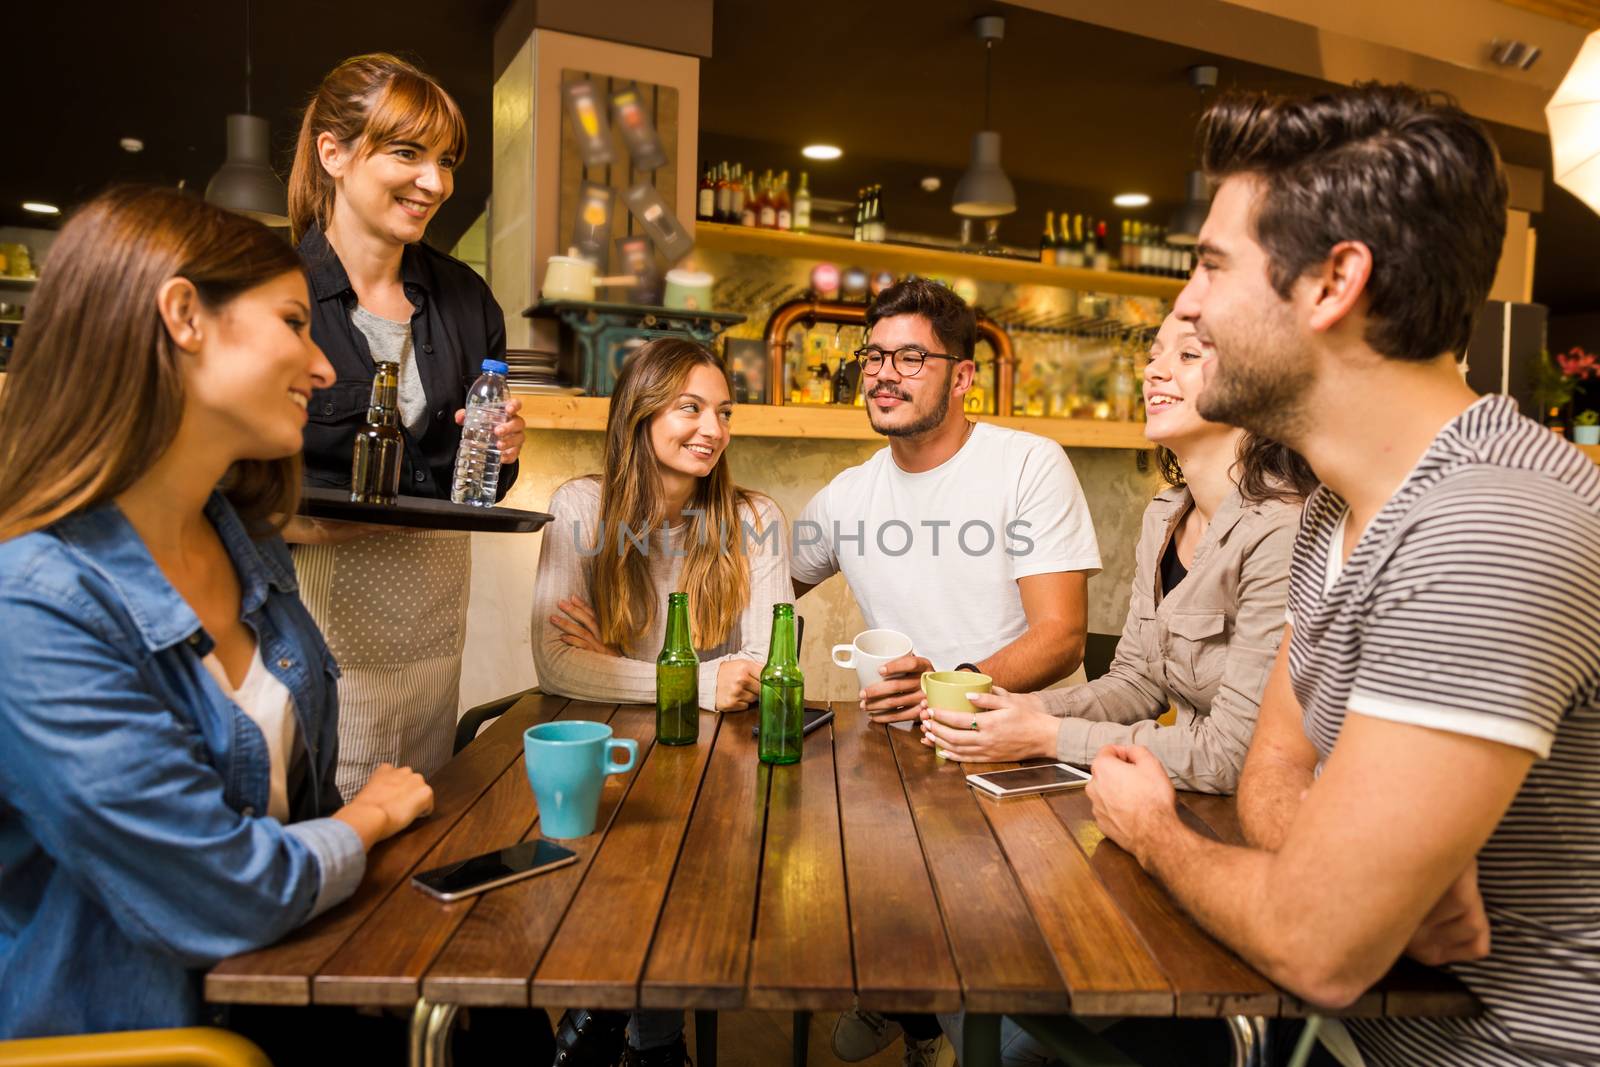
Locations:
(135, 849)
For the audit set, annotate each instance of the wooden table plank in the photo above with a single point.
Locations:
(383, 961)
(281, 973)
(597, 956)
(491, 959)
(701, 952)
(902, 956)
(1412, 990)
(1107, 966)
(1207, 979)
(800, 959)
(999, 952)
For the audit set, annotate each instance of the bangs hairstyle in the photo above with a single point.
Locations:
(367, 102)
(94, 323)
(1403, 171)
(716, 568)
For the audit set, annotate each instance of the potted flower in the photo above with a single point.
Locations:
(1556, 378)
(1586, 428)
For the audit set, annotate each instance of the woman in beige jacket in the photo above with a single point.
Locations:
(1205, 616)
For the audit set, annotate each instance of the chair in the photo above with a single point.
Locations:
(471, 722)
(195, 1046)
(1098, 652)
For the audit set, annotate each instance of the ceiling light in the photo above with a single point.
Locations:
(821, 151)
(931, 184)
(131, 144)
(984, 191)
(1130, 200)
(246, 182)
(39, 207)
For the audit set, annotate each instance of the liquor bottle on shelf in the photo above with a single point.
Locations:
(875, 227)
(725, 195)
(1102, 249)
(859, 233)
(1125, 251)
(802, 206)
(1078, 259)
(1047, 240)
(781, 204)
(1089, 247)
(739, 197)
(1063, 256)
(705, 208)
(766, 204)
(375, 459)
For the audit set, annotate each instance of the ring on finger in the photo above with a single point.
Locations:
(974, 722)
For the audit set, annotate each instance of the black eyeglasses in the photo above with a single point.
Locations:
(907, 361)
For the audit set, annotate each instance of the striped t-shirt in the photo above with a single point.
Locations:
(1472, 604)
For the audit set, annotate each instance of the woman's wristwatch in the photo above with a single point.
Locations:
(973, 667)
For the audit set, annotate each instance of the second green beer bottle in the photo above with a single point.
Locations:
(677, 679)
(782, 693)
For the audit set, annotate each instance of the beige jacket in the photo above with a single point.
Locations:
(1206, 650)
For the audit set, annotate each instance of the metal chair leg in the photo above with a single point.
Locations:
(1246, 1051)
(441, 1020)
(802, 1038)
(420, 1014)
(705, 1038)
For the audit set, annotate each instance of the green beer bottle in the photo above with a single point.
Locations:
(782, 693)
(677, 679)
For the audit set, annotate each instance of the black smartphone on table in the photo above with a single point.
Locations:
(500, 867)
(815, 717)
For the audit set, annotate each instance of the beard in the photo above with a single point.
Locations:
(1261, 378)
(923, 422)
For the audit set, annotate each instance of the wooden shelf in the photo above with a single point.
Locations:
(831, 423)
(745, 240)
(8, 282)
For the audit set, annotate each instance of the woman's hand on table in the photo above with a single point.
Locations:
(580, 628)
(1012, 726)
(895, 699)
(393, 798)
(511, 431)
(738, 684)
(304, 530)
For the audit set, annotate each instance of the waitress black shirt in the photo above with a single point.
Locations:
(456, 324)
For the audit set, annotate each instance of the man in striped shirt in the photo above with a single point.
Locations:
(1425, 773)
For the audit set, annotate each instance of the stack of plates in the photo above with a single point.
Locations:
(533, 371)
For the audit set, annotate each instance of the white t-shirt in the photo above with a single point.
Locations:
(270, 705)
(937, 555)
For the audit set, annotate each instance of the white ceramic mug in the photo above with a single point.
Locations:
(870, 651)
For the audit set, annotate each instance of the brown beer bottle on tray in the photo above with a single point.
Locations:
(375, 460)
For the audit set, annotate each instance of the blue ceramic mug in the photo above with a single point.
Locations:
(568, 761)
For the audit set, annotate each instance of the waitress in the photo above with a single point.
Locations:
(375, 159)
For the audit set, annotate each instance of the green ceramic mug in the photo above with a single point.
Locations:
(947, 690)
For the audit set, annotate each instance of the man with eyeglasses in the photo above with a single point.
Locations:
(971, 539)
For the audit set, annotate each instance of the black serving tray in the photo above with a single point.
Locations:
(419, 512)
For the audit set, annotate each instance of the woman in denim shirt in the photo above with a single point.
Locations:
(168, 720)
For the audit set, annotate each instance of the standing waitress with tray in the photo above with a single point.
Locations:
(374, 161)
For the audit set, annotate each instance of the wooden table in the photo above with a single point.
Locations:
(868, 872)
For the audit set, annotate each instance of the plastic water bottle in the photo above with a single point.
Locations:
(478, 460)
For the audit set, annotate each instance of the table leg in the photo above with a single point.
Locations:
(419, 1032)
(1246, 1046)
(705, 1038)
(802, 1038)
(980, 1041)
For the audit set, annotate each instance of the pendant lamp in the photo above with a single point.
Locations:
(246, 182)
(984, 191)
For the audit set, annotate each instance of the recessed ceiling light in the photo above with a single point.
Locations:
(931, 184)
(131, 144)
(1130, 200)
(39, 207)
(821, 151)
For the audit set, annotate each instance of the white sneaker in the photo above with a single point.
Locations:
(934, 1052)
(859, 1035)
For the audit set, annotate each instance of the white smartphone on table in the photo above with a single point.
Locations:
(1025, 781)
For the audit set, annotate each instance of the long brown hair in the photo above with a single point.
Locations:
(94, 392)
(366, 102)
(1264, 470)
(716, 569)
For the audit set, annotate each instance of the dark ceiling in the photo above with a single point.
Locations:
(1085, 112)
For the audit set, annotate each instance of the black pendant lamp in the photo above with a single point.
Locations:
(984, 191)
(246, 182)
(1184, 229)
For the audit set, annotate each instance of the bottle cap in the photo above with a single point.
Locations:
(495, 365)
